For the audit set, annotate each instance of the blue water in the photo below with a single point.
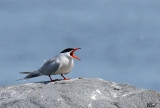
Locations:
(120, 40)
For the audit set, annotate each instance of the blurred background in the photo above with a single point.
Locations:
(119, 39)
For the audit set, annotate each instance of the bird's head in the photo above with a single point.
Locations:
(71, 52)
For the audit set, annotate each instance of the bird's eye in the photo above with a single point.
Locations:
(71, 53)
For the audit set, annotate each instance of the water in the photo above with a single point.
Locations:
(119, 39)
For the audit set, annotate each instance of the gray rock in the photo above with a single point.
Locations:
(77, 93)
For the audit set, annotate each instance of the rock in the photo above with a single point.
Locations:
(77, 93)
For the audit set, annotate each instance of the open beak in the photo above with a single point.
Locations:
(72, 53)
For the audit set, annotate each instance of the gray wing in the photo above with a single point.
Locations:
(50, 67)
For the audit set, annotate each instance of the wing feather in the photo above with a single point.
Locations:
(50, 67)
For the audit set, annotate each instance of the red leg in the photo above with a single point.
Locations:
(51, 78)
(64, 77)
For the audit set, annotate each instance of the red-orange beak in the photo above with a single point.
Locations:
(72, 53)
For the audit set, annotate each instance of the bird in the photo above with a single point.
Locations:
(60, 64)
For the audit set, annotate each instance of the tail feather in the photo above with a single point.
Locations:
(31, 74)
(25, 72)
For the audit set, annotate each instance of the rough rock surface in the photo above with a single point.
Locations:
(77, 93)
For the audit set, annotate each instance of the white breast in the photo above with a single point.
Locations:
(66, 64)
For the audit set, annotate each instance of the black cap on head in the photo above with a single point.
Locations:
(67, 50)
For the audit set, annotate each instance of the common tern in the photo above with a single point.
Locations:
(60, 64)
